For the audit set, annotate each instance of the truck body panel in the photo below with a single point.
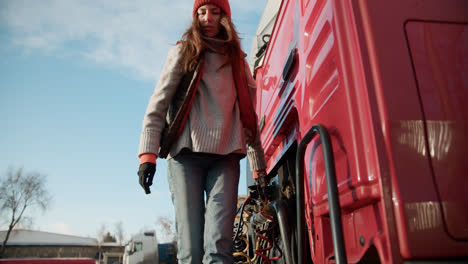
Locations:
(389, 81)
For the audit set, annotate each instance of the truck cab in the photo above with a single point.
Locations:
(142, 249)
(362, 109)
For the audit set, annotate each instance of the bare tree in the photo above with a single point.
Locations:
(101, 232)
(19, 192)
(119, 232)
(108, 238)
(167, 227)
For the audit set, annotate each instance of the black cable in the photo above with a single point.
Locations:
(241, 221)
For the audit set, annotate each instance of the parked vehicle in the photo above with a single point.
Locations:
(167, 253)
(49, 261)
(142, 249)
(362, 108)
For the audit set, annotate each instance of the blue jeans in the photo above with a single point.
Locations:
(204, 229)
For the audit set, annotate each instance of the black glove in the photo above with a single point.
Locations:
(146, 174)
(261, 178)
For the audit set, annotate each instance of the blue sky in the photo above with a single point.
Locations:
(75, 79)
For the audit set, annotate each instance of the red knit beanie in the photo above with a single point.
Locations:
(223, 4)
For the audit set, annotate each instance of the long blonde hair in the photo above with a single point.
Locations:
(194, 43)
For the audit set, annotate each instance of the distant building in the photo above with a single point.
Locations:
(111, 252)
(38, 244)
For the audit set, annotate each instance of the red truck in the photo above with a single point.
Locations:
(362, 108)
(49, 261)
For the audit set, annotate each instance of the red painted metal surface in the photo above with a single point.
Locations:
(397, 121)
(417, 204)
(440, 59)
(49, 261)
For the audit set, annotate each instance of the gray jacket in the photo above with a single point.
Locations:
(213, 124)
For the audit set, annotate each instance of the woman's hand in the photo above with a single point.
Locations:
(146, 174)
(261, 177)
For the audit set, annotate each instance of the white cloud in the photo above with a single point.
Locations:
(59, 228)
(132, 36)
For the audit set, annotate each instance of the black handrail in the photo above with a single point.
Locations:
(332, 190)
(282, 217)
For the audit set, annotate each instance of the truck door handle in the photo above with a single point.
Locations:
(289, 63)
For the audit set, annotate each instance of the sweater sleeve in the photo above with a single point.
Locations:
(155, 116)
(255, 152)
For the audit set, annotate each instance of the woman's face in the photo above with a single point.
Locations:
(209, 17)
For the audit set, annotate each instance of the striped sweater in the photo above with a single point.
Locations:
(213, 124)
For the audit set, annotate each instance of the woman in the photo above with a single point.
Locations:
(221, 128)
